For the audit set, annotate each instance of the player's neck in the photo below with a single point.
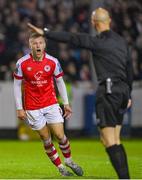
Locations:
(37, 58)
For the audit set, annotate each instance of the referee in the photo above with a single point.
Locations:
(114, 72)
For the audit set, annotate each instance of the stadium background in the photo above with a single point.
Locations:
(73, 16)
(26, 159)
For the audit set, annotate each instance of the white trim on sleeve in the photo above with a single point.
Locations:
(62, 90)
(18, 93)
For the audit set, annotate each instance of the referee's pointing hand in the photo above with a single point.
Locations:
(35, 29)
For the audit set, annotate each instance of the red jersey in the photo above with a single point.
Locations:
(38, 80)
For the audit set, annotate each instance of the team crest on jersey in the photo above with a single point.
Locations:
(47, 68)
(29, 68)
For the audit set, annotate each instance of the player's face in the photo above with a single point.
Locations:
(37, 46)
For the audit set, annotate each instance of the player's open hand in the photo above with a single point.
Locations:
(35, 29)
(21, 114)
(68, 111)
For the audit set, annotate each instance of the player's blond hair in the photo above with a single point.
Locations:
(35, 35)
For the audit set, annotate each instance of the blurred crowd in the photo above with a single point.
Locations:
(56, 14)
(127, 21)
(68, 15)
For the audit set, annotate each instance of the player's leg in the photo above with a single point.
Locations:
(49, 146)
(52, 152)
(37, 121)
(55, 123)
(64, 144)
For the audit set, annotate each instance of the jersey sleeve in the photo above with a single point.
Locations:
(58, 72)
(18, 71)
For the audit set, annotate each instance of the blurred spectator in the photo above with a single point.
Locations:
(66, 15)
(127, 21)
(85, 73)
(57, 14)
(71, 72)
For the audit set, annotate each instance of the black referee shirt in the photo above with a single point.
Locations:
(110, 53)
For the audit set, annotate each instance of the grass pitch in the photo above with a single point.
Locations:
(27, 160)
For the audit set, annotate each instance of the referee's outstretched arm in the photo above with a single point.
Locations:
(81, 40)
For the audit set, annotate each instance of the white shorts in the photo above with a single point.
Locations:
(48, 115)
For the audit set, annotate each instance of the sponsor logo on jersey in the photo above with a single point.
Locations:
(38, 75)
(47, 68)
(39, 83)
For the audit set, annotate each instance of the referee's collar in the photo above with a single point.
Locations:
(105, 33)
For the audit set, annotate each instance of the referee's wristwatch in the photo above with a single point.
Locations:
(46, 30)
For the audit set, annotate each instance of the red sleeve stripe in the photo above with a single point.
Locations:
(17, 77)
(59, 75)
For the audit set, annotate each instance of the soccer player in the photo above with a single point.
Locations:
(38, 103)
(114, 72)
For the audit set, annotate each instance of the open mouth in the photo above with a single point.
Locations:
(38, 50)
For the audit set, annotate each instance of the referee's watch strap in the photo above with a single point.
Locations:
(46, 30)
